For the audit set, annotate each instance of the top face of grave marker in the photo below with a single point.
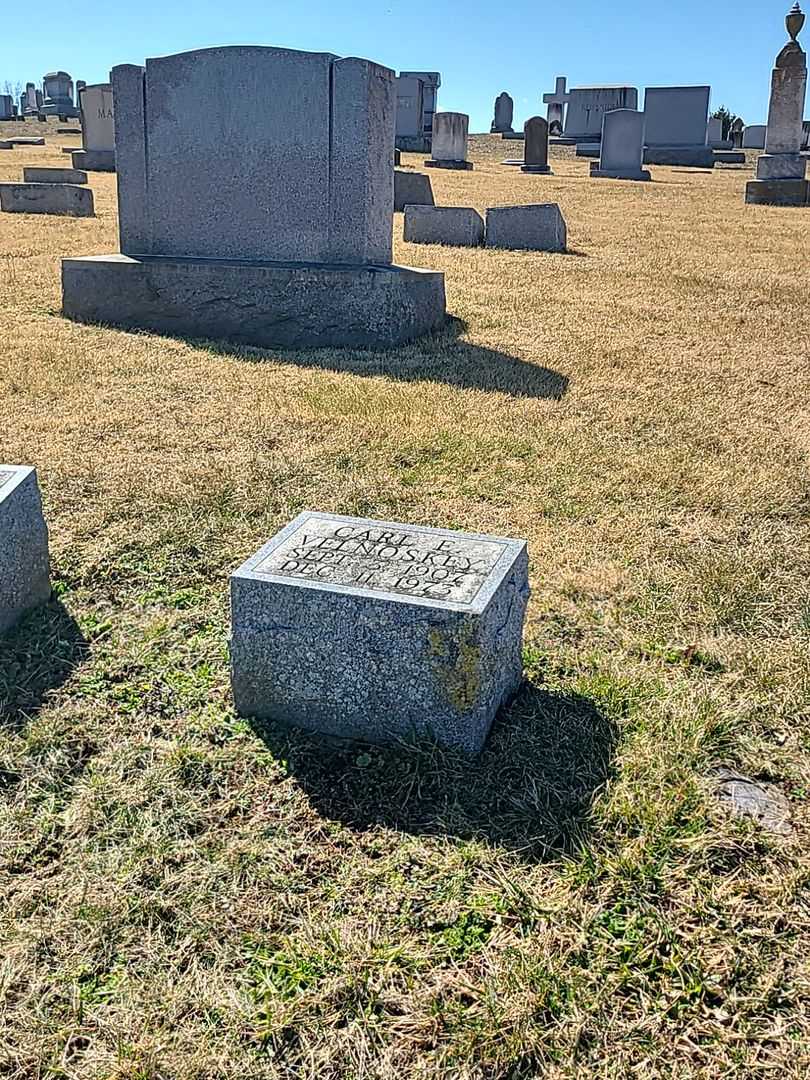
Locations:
(403, 562)
(11, 476)
(256, 154)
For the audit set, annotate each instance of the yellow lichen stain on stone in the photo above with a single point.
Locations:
(459, 678)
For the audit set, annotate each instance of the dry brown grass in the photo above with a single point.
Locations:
(186, 897)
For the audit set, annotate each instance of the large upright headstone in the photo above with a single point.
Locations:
(58, 88)
(556, 102)
(781, 169)
(431, 81)
(449, 145)
(260, 218)
(410, 114)
(378, 631)
(98, 129)
(24, 564)
(676, 123)
(753, 137)
(622, 148)
(535, 153)
(587, 106)
(504, 114)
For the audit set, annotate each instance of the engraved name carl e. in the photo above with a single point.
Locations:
(418, 565)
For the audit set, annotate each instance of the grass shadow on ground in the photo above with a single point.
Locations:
(530, 791)
(440, 358)
(36, 657)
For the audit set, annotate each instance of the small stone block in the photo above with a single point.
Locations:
(296, 305)
(33, 174)
(24, 564)
(589, 150)
(617, 174)
(411, 189)
(781, 167)
(729, 157)
(67, 200)
(376, 631)
(692, 157)
(540, 170)
(538, 227)
(457, 226)
(461, 166)
(778, 192)
(94, 160)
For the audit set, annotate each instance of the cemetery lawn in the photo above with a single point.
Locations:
(185, 897)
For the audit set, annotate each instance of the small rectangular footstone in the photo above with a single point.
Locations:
(376, 631)
(69, 200)
(457, 226)
(34, 174)
(538, 227)
(24, 564)
(778, 192)
(411, 189)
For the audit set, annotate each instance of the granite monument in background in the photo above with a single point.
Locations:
(676, 120)
(622, 148)
(98, 129)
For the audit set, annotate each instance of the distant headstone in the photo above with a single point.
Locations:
(293, 247)
(411, 189)
(24, 563)
(431, 82)
(676, 122)
(98, 129)
(504, 114)
(6, 107)
(781, 170)
(736, 133)
(754, 137)
(377, 631)
(449, 145)
(66, 200)
(40, 100)
(556, 102)
(622, 147)
(58, 96)
(30, 99)
(539, 227)
(535, 153)
(457, 226)
(410, 114)
(714, 135)
(587, 106)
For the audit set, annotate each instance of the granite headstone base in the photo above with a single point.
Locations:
(589, 149)
(695, 157)
(540, 170)
(297, 305)
(94, 160)
(457, 226)
(781, 167)
(729, 157)
(66, 200)
(377, 631)
(461, 166)
(778, 192)
(24, 564)
(618, 174)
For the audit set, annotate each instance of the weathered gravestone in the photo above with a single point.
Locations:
(377, 631)
(58, 100)
(431, 82)
(98, 129)
(753, 137)
(36, 175)
(24, 564)
(535, 152)
(457, 226)
(781, 170)
(587, 106)
(6, 107)
(504, 115)
(449, 145)
(538, 227)
(65, 200)
(735, 133)
(411, 189)
(622, 147)
(294, 246)
(409, 133)
(676, 120)
(555, 114)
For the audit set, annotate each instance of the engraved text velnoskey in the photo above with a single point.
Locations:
(399, 560)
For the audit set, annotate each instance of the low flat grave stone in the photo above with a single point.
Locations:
(536, 227)
(456, 226)
(33, 174)
(377, 631)
(67, 200)
(24, 563)
(23, 140)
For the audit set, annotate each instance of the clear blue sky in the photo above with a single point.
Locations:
(480, 46)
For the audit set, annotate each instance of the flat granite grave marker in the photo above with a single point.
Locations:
(24, 563)
(455, 226)
(65, 200)
(535, 227)
(44, 175)
(270, 223)
(376, 631)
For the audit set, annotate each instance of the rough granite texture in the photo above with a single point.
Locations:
(94, 160)
(264, 304)
(411, 189)
(458, 226)
(68, 200)
(781, 166)
(538, 227)
(376, 631)
(37, 175)
(24, 564)
(312, 134)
